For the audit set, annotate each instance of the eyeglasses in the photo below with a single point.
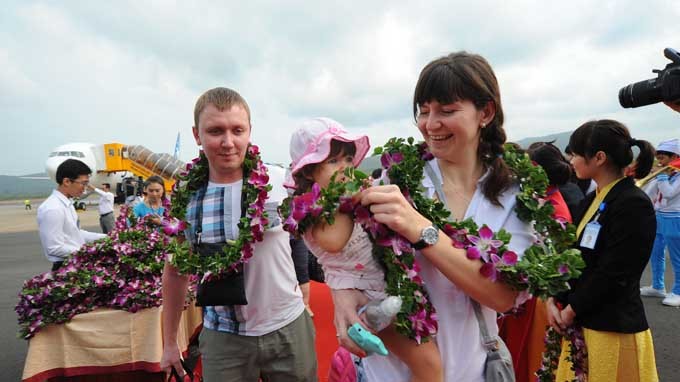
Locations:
(82, 183)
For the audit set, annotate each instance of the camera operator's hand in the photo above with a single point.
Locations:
(674, 105)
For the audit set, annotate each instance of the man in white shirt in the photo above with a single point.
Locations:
(271, 337)
(58, 224)
(106, 219)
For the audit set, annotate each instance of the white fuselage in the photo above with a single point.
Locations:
(90, 154)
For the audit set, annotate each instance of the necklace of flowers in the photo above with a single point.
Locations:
(251, 227)
(543, 271)
(417, 318)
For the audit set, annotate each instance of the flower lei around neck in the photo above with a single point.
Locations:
(542, 271)
(417, 318)
(251, 227)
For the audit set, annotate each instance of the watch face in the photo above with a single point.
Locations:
(430, 235)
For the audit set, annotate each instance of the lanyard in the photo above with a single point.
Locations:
(599, 212)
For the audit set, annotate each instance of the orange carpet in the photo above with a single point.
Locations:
(326, 342)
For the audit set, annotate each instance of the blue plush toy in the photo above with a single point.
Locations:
(366, 340)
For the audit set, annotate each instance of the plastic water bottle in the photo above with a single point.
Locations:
(379, 314)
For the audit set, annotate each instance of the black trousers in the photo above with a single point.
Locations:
(56, 265)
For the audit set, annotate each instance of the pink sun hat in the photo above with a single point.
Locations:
(311, 142)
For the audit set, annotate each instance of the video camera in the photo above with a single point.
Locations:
(666, 87)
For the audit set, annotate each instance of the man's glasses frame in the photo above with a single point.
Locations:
(82, 183)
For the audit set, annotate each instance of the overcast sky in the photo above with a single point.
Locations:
(130, 71)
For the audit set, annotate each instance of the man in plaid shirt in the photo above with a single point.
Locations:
(272, 337)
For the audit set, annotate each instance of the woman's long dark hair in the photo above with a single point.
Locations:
(612, 138)
(465, 76)
(553, 162)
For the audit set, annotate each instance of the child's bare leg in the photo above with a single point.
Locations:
(423, 360)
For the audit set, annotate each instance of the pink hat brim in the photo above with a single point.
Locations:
(361, 143)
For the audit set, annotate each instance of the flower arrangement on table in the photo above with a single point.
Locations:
(251, 227)
(542, 271)
(121, 271)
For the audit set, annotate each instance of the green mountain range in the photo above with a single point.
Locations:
(18, 187)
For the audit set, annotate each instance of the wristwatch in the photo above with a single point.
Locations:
(428, 236)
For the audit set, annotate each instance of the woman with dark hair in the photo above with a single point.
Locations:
(615, 233)
(585, 185)
(457, 109)
(154, 189)
(524, 331)
(562, 193)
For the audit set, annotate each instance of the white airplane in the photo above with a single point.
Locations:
(117, 164)
(86, 153)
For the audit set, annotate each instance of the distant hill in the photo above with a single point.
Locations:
(561, 140)
(14, 187)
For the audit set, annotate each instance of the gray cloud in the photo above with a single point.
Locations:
(130, 71)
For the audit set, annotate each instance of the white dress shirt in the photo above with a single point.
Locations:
(665, 194)
(58, 225)
(105, 201)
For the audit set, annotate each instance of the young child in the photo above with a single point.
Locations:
(320, 148)
(664, 190)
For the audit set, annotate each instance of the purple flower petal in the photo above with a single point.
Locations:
(488, 270)
(563, 269)
(510, 258)
(485, 233)
(473, 253)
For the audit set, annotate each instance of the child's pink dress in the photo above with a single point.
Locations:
(352, 268)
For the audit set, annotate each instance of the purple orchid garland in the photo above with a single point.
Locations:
(542, 271)
(121, 271)
(251, 228)
(418, 319)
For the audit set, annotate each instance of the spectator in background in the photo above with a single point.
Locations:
(154, 189)
(664, 190)
(27, 204)
(134, 190)
(615, 234)
(58, 223)
(562, 192)
(106, 219)
(585, 185)
(524, 331)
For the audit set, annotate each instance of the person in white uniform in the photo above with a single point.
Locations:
(106, 219)
(58, 224)
(458, 111)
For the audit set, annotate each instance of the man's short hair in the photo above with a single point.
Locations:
(106, 185)
(222, 98)
(72, 169)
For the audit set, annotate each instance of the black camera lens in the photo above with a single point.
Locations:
(641, 93)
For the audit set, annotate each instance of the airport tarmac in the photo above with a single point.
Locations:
(21, 258)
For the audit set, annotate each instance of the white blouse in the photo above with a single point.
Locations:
(458, 338)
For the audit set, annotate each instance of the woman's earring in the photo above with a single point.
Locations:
(483, 125)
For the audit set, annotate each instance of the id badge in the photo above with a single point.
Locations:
(590, 234)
